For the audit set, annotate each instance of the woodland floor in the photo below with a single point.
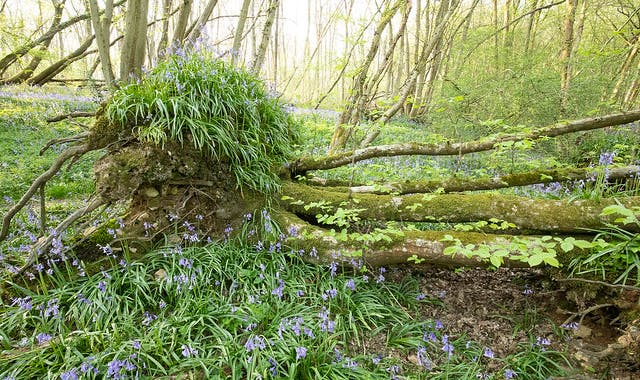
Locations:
(494, 308)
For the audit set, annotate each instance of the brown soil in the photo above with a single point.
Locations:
(498, 309)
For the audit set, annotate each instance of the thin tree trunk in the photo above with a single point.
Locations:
(566, 54)
(180, 31)
(196, 29)
(102, 31)
(258, 60)
(164, 34)
(134, 48)
(356, 103)
(237, 38)
(56, 68)
(528, 40)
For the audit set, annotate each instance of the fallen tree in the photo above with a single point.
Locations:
(198, 143)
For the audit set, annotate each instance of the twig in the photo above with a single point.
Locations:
(630, 287)
(50, 143)
(72, 115)
(584, 313)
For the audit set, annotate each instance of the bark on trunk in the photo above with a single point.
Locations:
(453, 185)
(527, 214)
(258, 60)
(427, 247)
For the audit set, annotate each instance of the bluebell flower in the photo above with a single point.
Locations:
(136, 345)
(188, 351)
(420, 297)
(351, 284)
(69, 375)
(43, 338)
(23, 303)
(488, 353)
(102, 286)
(273, 367)
(301, 353)
(447, 347)
(148, 318)
(423, 358)
(438, 324)
(509, 374)
(333, 268)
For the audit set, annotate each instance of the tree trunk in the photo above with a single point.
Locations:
(356, 103)
(258, 60)
(237, 38)
(102, 31)
(180, 30)
(566, 54)
(134, 48)
(164, 34)
(195, 30)
(528, 40)
(543, 176)
(527, 214)
(427, 247)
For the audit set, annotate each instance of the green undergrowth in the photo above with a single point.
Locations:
(24, 131)
(230, 310)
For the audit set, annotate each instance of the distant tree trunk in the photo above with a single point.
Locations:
(624, 71)
(355, 105)
(258, 59)
(530, 30)
(237, 38)
(179, 33)
(164, 34)
(195, 30)
(56, 68)
(42, 44)
(102, 31)
(134, 47)
(566, 54)
(496, 44)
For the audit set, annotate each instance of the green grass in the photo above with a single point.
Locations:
(24, 131)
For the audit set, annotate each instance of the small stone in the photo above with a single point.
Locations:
(160, 274)
(583, 332)
(151, 192)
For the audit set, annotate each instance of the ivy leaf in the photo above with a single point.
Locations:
(535, 260)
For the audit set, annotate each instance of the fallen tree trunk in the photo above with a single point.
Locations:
(553, 216)
(428, 247)
(452, 185)
(447, 148)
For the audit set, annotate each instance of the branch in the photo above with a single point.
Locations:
(554, 216)
(452, 185)
(76, 138)
(72, 115)
(448, 148)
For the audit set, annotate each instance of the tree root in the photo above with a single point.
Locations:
(71, 153)
(44, 243)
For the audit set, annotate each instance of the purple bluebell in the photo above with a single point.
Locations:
(301, 353)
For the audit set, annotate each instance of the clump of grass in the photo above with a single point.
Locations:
(225, 112)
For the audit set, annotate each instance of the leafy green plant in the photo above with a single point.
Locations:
(617, 250)
(227, 113)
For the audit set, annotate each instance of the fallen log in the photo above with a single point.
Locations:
(528, 214)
